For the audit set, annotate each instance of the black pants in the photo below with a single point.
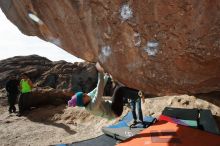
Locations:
(23, 103)
(117, 98)
(11, 101)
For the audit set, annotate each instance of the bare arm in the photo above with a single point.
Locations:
(97, 93)
(100, 89)
(99, 67)
(30, 83)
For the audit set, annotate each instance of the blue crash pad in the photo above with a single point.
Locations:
(128, 118)
(122, 131)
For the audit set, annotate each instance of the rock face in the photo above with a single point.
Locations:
(41, 96)
(45, 73)
(160, 47)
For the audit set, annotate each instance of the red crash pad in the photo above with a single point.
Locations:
(165, 133)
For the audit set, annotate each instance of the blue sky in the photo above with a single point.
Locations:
(14, 43)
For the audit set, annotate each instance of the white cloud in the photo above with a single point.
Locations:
(14, 43)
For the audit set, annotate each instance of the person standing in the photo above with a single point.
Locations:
(12, 88)
(26, 86)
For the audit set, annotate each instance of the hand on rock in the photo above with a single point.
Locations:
(99, 67)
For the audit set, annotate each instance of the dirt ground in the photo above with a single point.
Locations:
(50, 125)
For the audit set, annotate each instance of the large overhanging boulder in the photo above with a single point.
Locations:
(158, 46)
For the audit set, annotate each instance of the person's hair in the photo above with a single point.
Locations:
(11, 77)
(24, 75)
(87, 103)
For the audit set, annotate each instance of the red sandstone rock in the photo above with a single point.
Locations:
(160, 47)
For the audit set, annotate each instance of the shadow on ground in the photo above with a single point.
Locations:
(49, 115)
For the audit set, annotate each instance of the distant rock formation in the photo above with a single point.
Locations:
(160, 47)
(79, 76)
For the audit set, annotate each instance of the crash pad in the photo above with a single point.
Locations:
(196, 118)
(102, 140)
(181, 113)
(122, 131)
(191, 123)
(207, 122)
(164, 133)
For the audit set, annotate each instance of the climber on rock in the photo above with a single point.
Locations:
(93, 100)
(97, 105)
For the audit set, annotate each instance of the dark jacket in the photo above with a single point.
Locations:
(12, 86)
